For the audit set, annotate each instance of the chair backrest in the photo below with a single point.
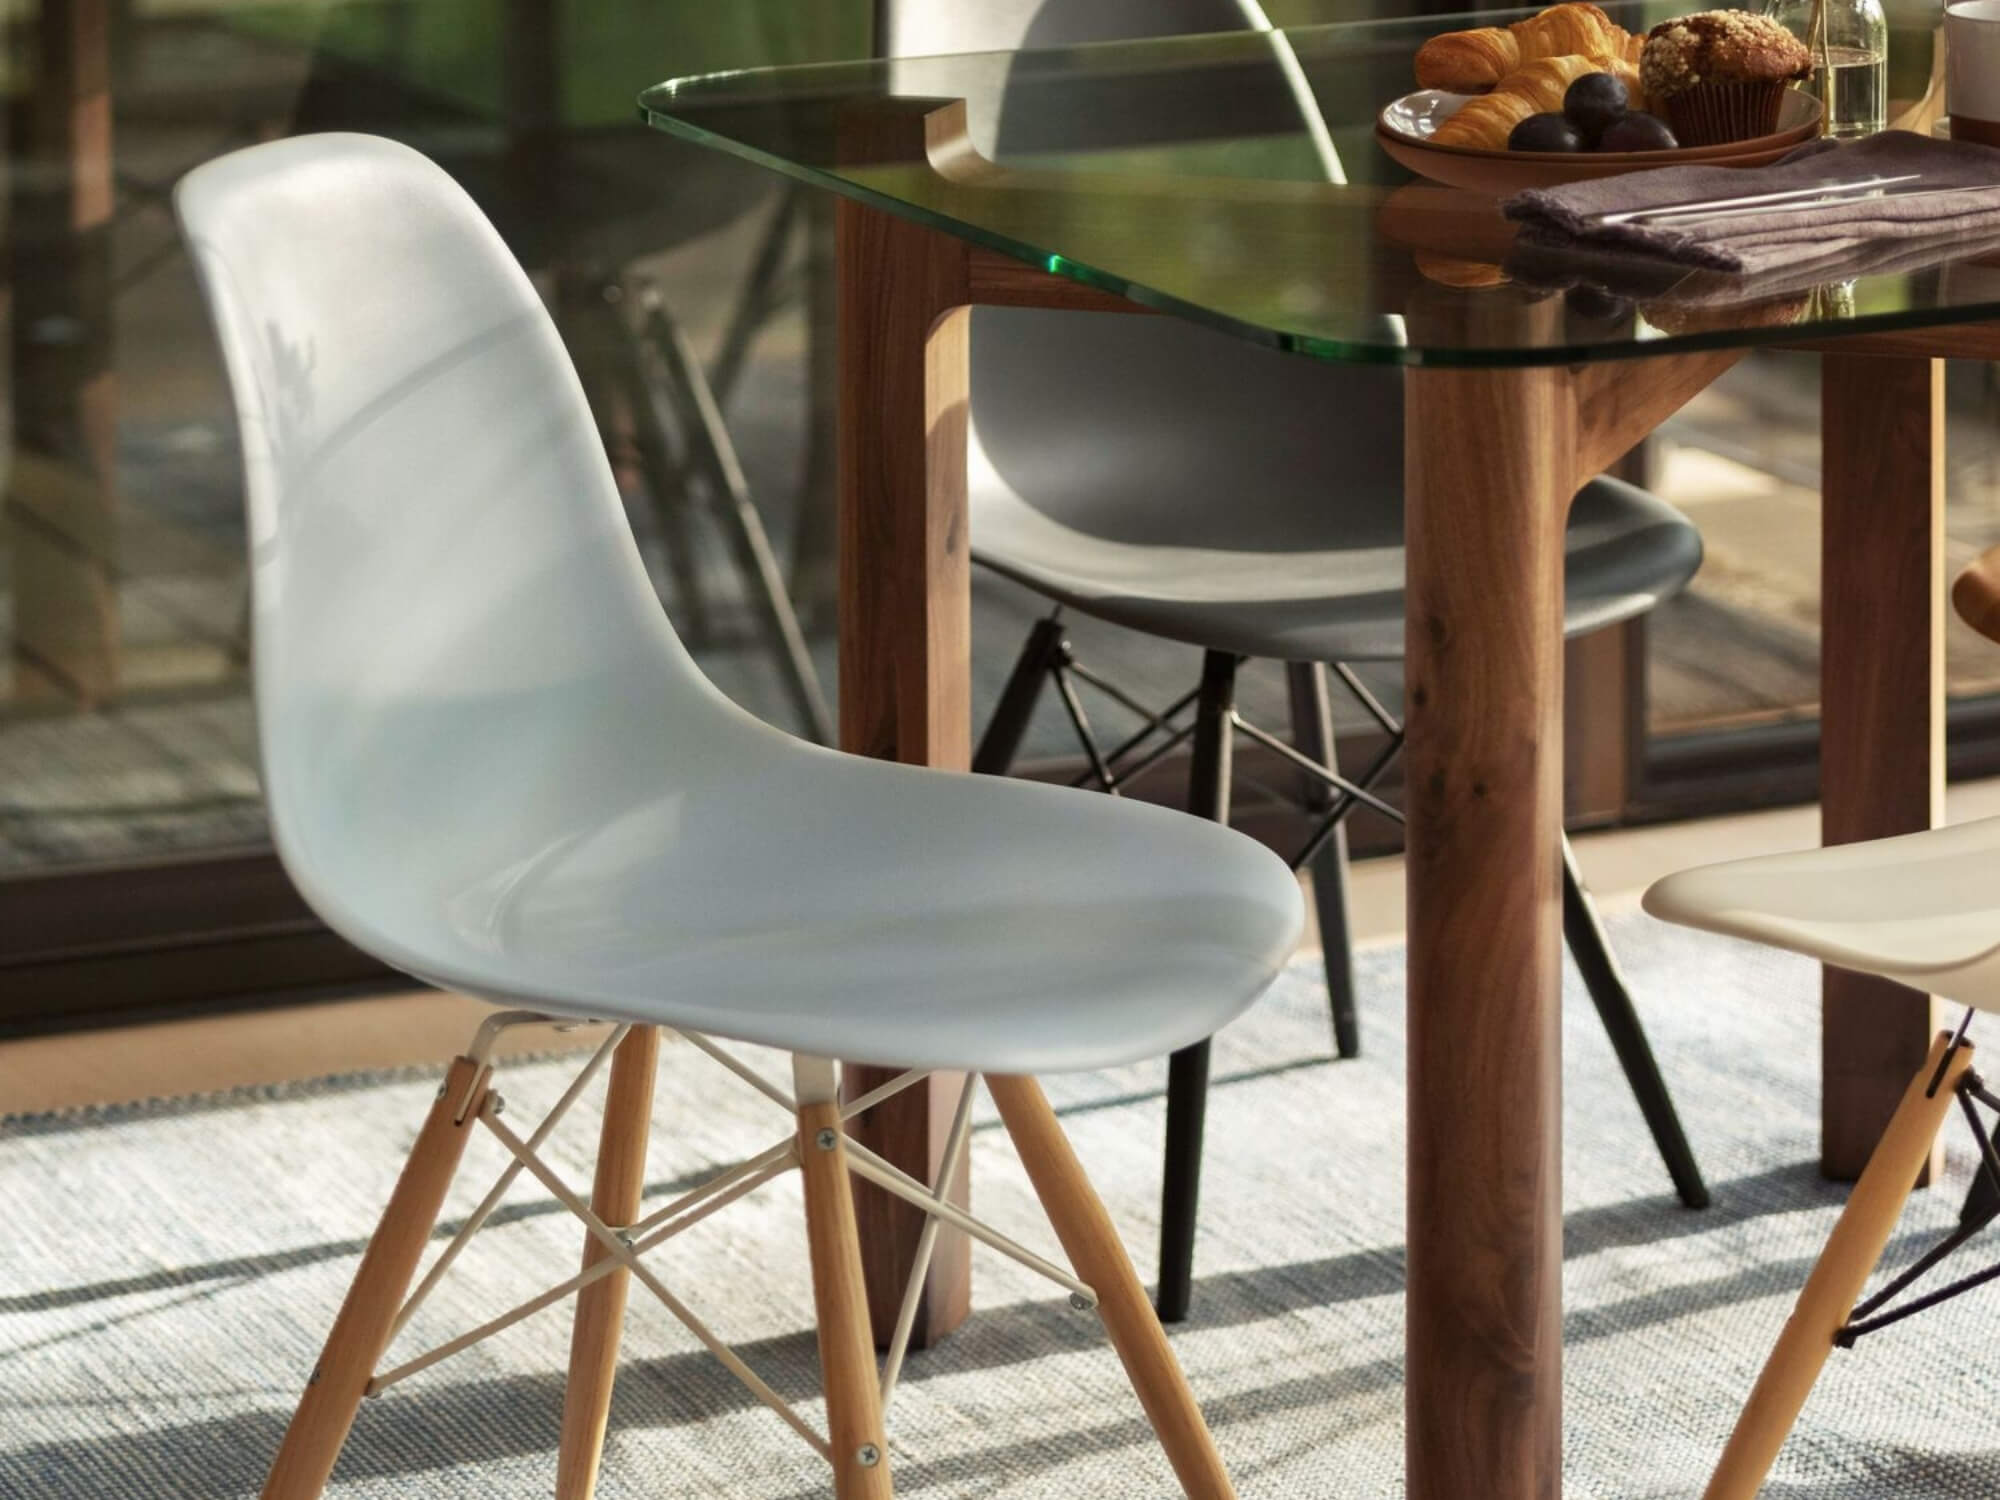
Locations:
(1130, 427)
(458, 656)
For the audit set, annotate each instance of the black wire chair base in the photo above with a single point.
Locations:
(1981, 1208)
(1326, 798)
(1162, 733)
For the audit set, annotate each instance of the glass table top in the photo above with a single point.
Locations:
(1236, 180)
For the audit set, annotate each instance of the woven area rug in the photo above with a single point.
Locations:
(167, 1272)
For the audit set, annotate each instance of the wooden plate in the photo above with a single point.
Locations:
(1403, 127)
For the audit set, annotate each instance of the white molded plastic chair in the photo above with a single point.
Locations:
(489, 762)
(1921, 909)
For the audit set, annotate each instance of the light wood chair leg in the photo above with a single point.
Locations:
(840, 1293)
(1098, 1257)
(326, 1411)
(1837, 1279)
(600, 1307)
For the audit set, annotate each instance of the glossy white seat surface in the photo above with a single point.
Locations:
(490, 762)
(1923, 907)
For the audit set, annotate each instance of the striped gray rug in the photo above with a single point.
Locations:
(166, 1274)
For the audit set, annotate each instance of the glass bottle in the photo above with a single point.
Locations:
(1849, 40)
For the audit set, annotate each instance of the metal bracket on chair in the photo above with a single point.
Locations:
(1112, 769)
(1981, 1208)
(815, 1081)
(480, 1053)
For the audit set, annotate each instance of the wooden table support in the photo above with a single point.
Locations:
(1483, 689)
(1492, 459)
(905, 645)
(1881, 701)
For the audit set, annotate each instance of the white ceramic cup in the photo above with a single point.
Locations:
(1972, 69)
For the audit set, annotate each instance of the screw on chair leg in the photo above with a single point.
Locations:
(1099, 1259)
(1838, 1277)
(1312, 733)
(325, 1413)
(600, 1307)
(1613, 999)
(1210, 769)
(846, 1337)
(1001, 742)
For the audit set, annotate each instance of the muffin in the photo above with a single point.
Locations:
(1720, 76)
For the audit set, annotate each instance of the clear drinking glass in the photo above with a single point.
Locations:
(1850, 46)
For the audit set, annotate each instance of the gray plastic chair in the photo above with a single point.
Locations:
(1169, 479)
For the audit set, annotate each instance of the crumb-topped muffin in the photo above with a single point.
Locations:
(1721, 75)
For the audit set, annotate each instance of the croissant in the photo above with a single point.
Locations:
(1470, 62)
(1537, 88)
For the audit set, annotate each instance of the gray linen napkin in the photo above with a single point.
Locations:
(1967, 207)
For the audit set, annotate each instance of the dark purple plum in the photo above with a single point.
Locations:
(1637, 132)
(1596, 102)
(1545, 133)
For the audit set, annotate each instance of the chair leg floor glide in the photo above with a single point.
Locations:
(621, 1234)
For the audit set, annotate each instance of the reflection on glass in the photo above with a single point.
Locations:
(125, 730)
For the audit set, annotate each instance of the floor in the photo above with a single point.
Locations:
(370, 1032)
(157, 1347)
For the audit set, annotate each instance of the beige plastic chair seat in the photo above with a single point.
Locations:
(1923, 908)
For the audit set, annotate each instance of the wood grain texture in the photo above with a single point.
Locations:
(361, 1330)
(1618, 402)
(1098, 1257)
(840, 1295)
(1975, 594)
(600, 1307)
(1945, 341)
(996, 280)
(905, 635)
(1489, 469)
(905, 564)
(1838, 1277)
(1882, 700)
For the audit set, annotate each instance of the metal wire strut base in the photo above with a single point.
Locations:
(1981, 1207)
(1162, 732)
(625, 1246)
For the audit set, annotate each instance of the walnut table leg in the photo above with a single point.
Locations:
(1881, 700)
(1489, 471)
(905, 642)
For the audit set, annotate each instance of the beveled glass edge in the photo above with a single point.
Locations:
(1188, 40)
(1341, 350)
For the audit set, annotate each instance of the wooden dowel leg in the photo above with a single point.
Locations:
(1099, 1259)
(1837, 1279)
(319, 1427)
(840, 1295)
(600, 1307)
